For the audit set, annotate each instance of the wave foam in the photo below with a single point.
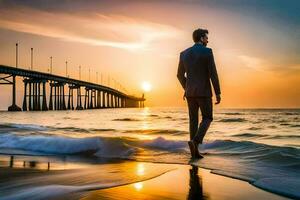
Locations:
(121, 147)
(47, 144)
(162, 143)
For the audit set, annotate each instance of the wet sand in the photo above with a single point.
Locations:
(120, 180)
(185, 182)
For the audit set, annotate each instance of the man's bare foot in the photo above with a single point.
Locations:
(192, 148)
(197, 154)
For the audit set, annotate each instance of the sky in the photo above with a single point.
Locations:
(127, 42)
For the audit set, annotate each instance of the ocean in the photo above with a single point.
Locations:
(261, 146)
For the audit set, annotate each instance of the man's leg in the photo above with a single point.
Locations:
(193, 116)
(207, 117)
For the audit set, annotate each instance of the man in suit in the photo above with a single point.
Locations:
(195, 71)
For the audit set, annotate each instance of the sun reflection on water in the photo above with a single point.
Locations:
(140, 169)
(138, 186)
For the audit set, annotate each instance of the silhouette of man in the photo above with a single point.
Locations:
(196, 69)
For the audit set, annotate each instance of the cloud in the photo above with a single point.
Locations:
(261, 64)
(252, 62)
(95, 28)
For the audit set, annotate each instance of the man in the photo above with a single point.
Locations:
(195, 71)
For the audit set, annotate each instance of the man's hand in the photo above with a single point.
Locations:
(218, 99)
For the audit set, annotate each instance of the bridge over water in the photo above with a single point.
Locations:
(62, 92)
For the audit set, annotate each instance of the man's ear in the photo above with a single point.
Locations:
(201, 39)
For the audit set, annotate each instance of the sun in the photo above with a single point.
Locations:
(146, 86)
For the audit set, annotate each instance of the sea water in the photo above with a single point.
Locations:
(261, 146)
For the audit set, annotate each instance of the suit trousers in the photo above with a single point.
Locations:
(205, 104)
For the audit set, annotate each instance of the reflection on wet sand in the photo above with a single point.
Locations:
(22, 178)
(186, 182)
(31, 163)
(196, 190)
(28, 177)
(182, 183)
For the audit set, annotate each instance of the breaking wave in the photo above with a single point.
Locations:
(259, 162)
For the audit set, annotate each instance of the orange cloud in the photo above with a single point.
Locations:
(101, 30)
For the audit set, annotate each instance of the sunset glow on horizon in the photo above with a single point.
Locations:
(137, 43)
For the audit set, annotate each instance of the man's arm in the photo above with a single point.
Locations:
(181, 72)
(214, 75)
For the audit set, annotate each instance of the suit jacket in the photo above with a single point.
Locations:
(197, 62)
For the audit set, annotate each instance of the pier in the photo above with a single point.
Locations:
(63, 92)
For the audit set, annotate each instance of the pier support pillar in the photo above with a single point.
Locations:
(117, 101)
(98, 99)
(34, 96)
(63, 98)
(112, 100)
(44, 102)
(59, 91)
(79, 102)
(108, 100)
(86, 99)
(91, 99)
(30, 96)
(120, 102)
(136, 104)
(51, 97)
(95, 98)
(55, 98)
(14, 106)
(25, 96)
(72, 102)
(70, 99)
(38, 96)
(103, 100)
(60, 98)
(123, 102)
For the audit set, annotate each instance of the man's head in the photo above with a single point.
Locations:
(200, 36)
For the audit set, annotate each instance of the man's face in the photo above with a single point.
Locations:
(204, 40)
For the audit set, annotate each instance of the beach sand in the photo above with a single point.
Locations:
(119, 179)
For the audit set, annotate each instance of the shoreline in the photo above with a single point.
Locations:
(202, 184)
(150, 172)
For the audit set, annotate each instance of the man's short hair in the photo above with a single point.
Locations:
(199, 33)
